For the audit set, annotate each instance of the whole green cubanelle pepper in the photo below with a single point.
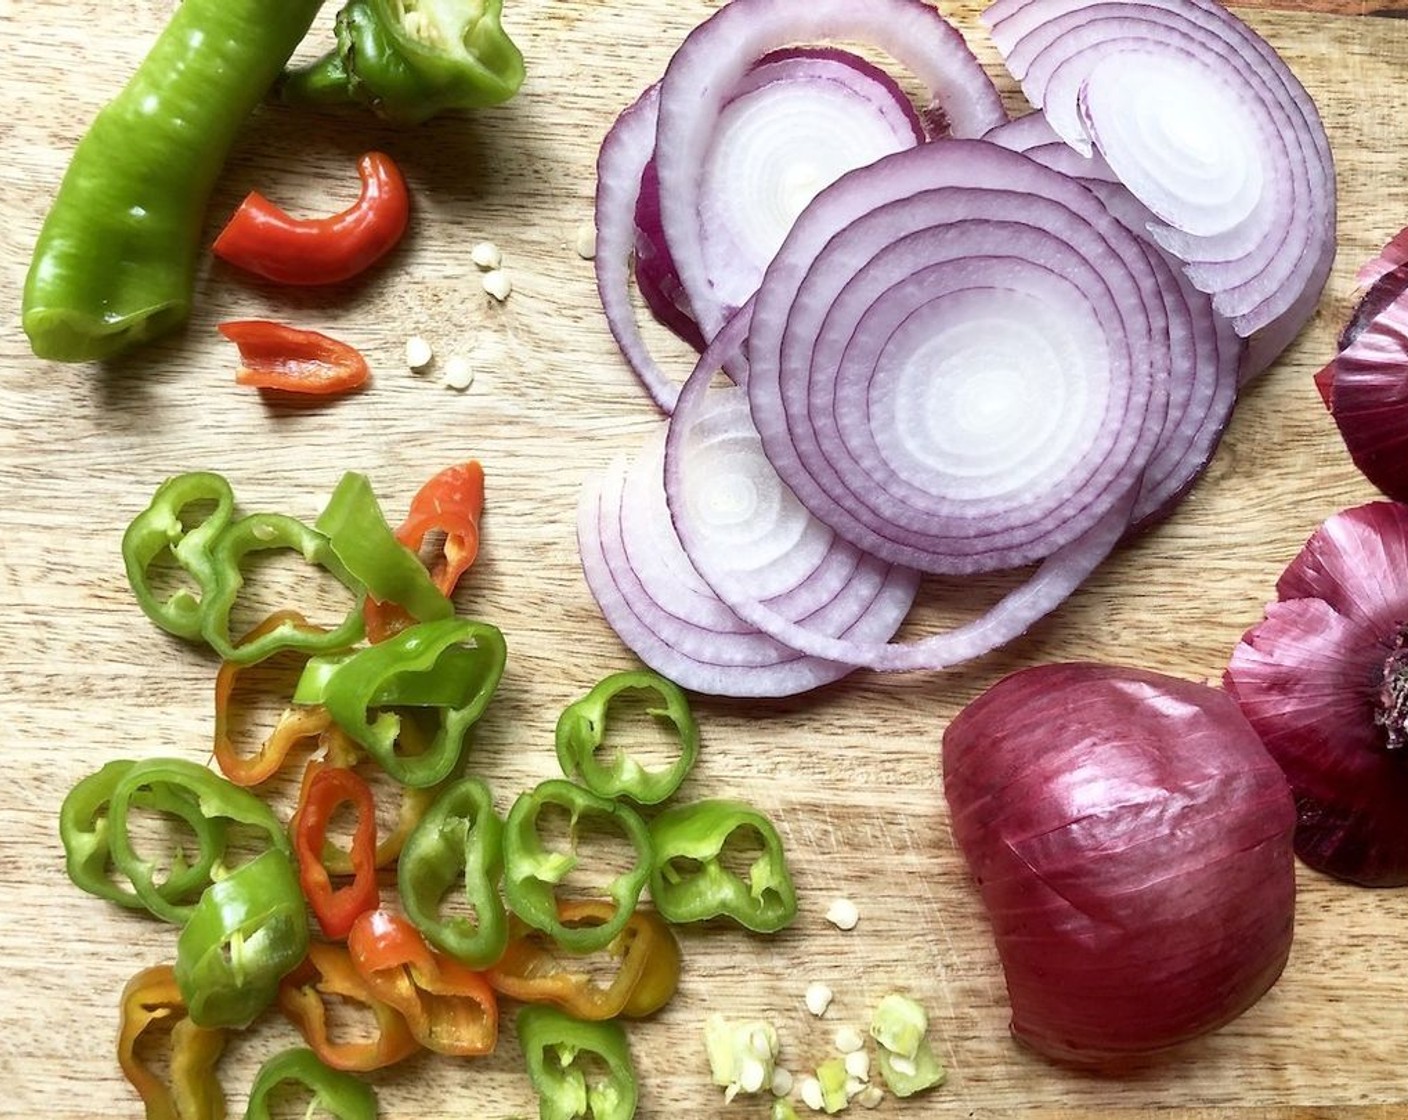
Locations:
(583, 726)
(247, 931)
(578, 1069)
(408, 60)
(214, 797)
(334, 1093)
(690, 883)
(114, 264)
(460, 661)
(532, 871)
(460, 835)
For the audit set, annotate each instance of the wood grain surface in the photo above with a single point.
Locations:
(850, 774)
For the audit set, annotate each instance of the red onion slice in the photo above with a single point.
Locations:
(718, 53)
(1243, 186)
(1131, 840)
(1020, 444)
(1323, 680)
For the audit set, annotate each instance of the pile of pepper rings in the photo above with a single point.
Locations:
(403, 701)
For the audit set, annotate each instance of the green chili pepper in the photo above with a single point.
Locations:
(115, 261)
(463, 657)
(578, 1069)
(84, 828)
(408, 60)
(532, 872)
(163, 529)
(582, 728)
(212, 797)
(690, 882)
(360, 537)
(338, 1094)
(459, 834)
(247, 931)
(261, 532)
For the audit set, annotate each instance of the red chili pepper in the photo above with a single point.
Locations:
(450, 503)
(263, 239)
(325, 788)
(450, 1008)
(289, 360)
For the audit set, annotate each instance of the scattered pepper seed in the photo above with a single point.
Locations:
(848, 1039)
(843, 914)
(781, 1082)
(858, 1065)
(818, 998)
(459, 374)
(497, 284)
(486, 255)
(812, 1095)
(586, 241)
(870, 1096)
(418, 353)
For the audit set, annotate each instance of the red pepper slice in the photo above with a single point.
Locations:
(451, 1008)
(289, 360)
(325, 788)
(263, 239)
(450, 503)
(304, 999)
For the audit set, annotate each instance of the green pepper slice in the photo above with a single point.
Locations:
(164, 528)
(357, 530)
(408, 60)
(338, 1094)
(578, 1069)
(214, 798)
(247, 931)
(356, 685)
(690, 883)
(261, 532)
(460, 834)
(582, 728)
(84, 830)
(532, 872)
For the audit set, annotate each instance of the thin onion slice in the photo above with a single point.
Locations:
(1208, 127)
(1205, 352)
(1324, 680)
(952, 361)
(717, 55)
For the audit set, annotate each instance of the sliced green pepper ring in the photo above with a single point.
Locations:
(460, 834)
(421, 658)
(162, 528)
(452, 681)
(338, 1094)
(532, 872)
(214, 798)
(367, 547)
(577, 1068)
(85, 830)
(261, 532)
(582, 728)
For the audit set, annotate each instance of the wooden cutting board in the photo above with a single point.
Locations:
(850, 774)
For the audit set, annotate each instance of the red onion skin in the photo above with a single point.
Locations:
(1308, 678)
(1131, 839)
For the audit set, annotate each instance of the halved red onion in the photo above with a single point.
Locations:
(716, 57)
(952, 361)
(1324, 680)
(1208, 127)
(1205, 353)
(1131, 839)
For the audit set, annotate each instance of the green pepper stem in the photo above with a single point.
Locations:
(321, 82)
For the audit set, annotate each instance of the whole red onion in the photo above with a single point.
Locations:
(1131, 839)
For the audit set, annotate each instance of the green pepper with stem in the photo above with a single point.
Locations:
(408, 60)
(582, 728)
(460, 835)
(215, 798)
(338, 1094)
(176, 524)
(458, 660)
(85, 831)
(532, 872)
(115, 261)
(690, 883)
(578, 1069)
(247, 931)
